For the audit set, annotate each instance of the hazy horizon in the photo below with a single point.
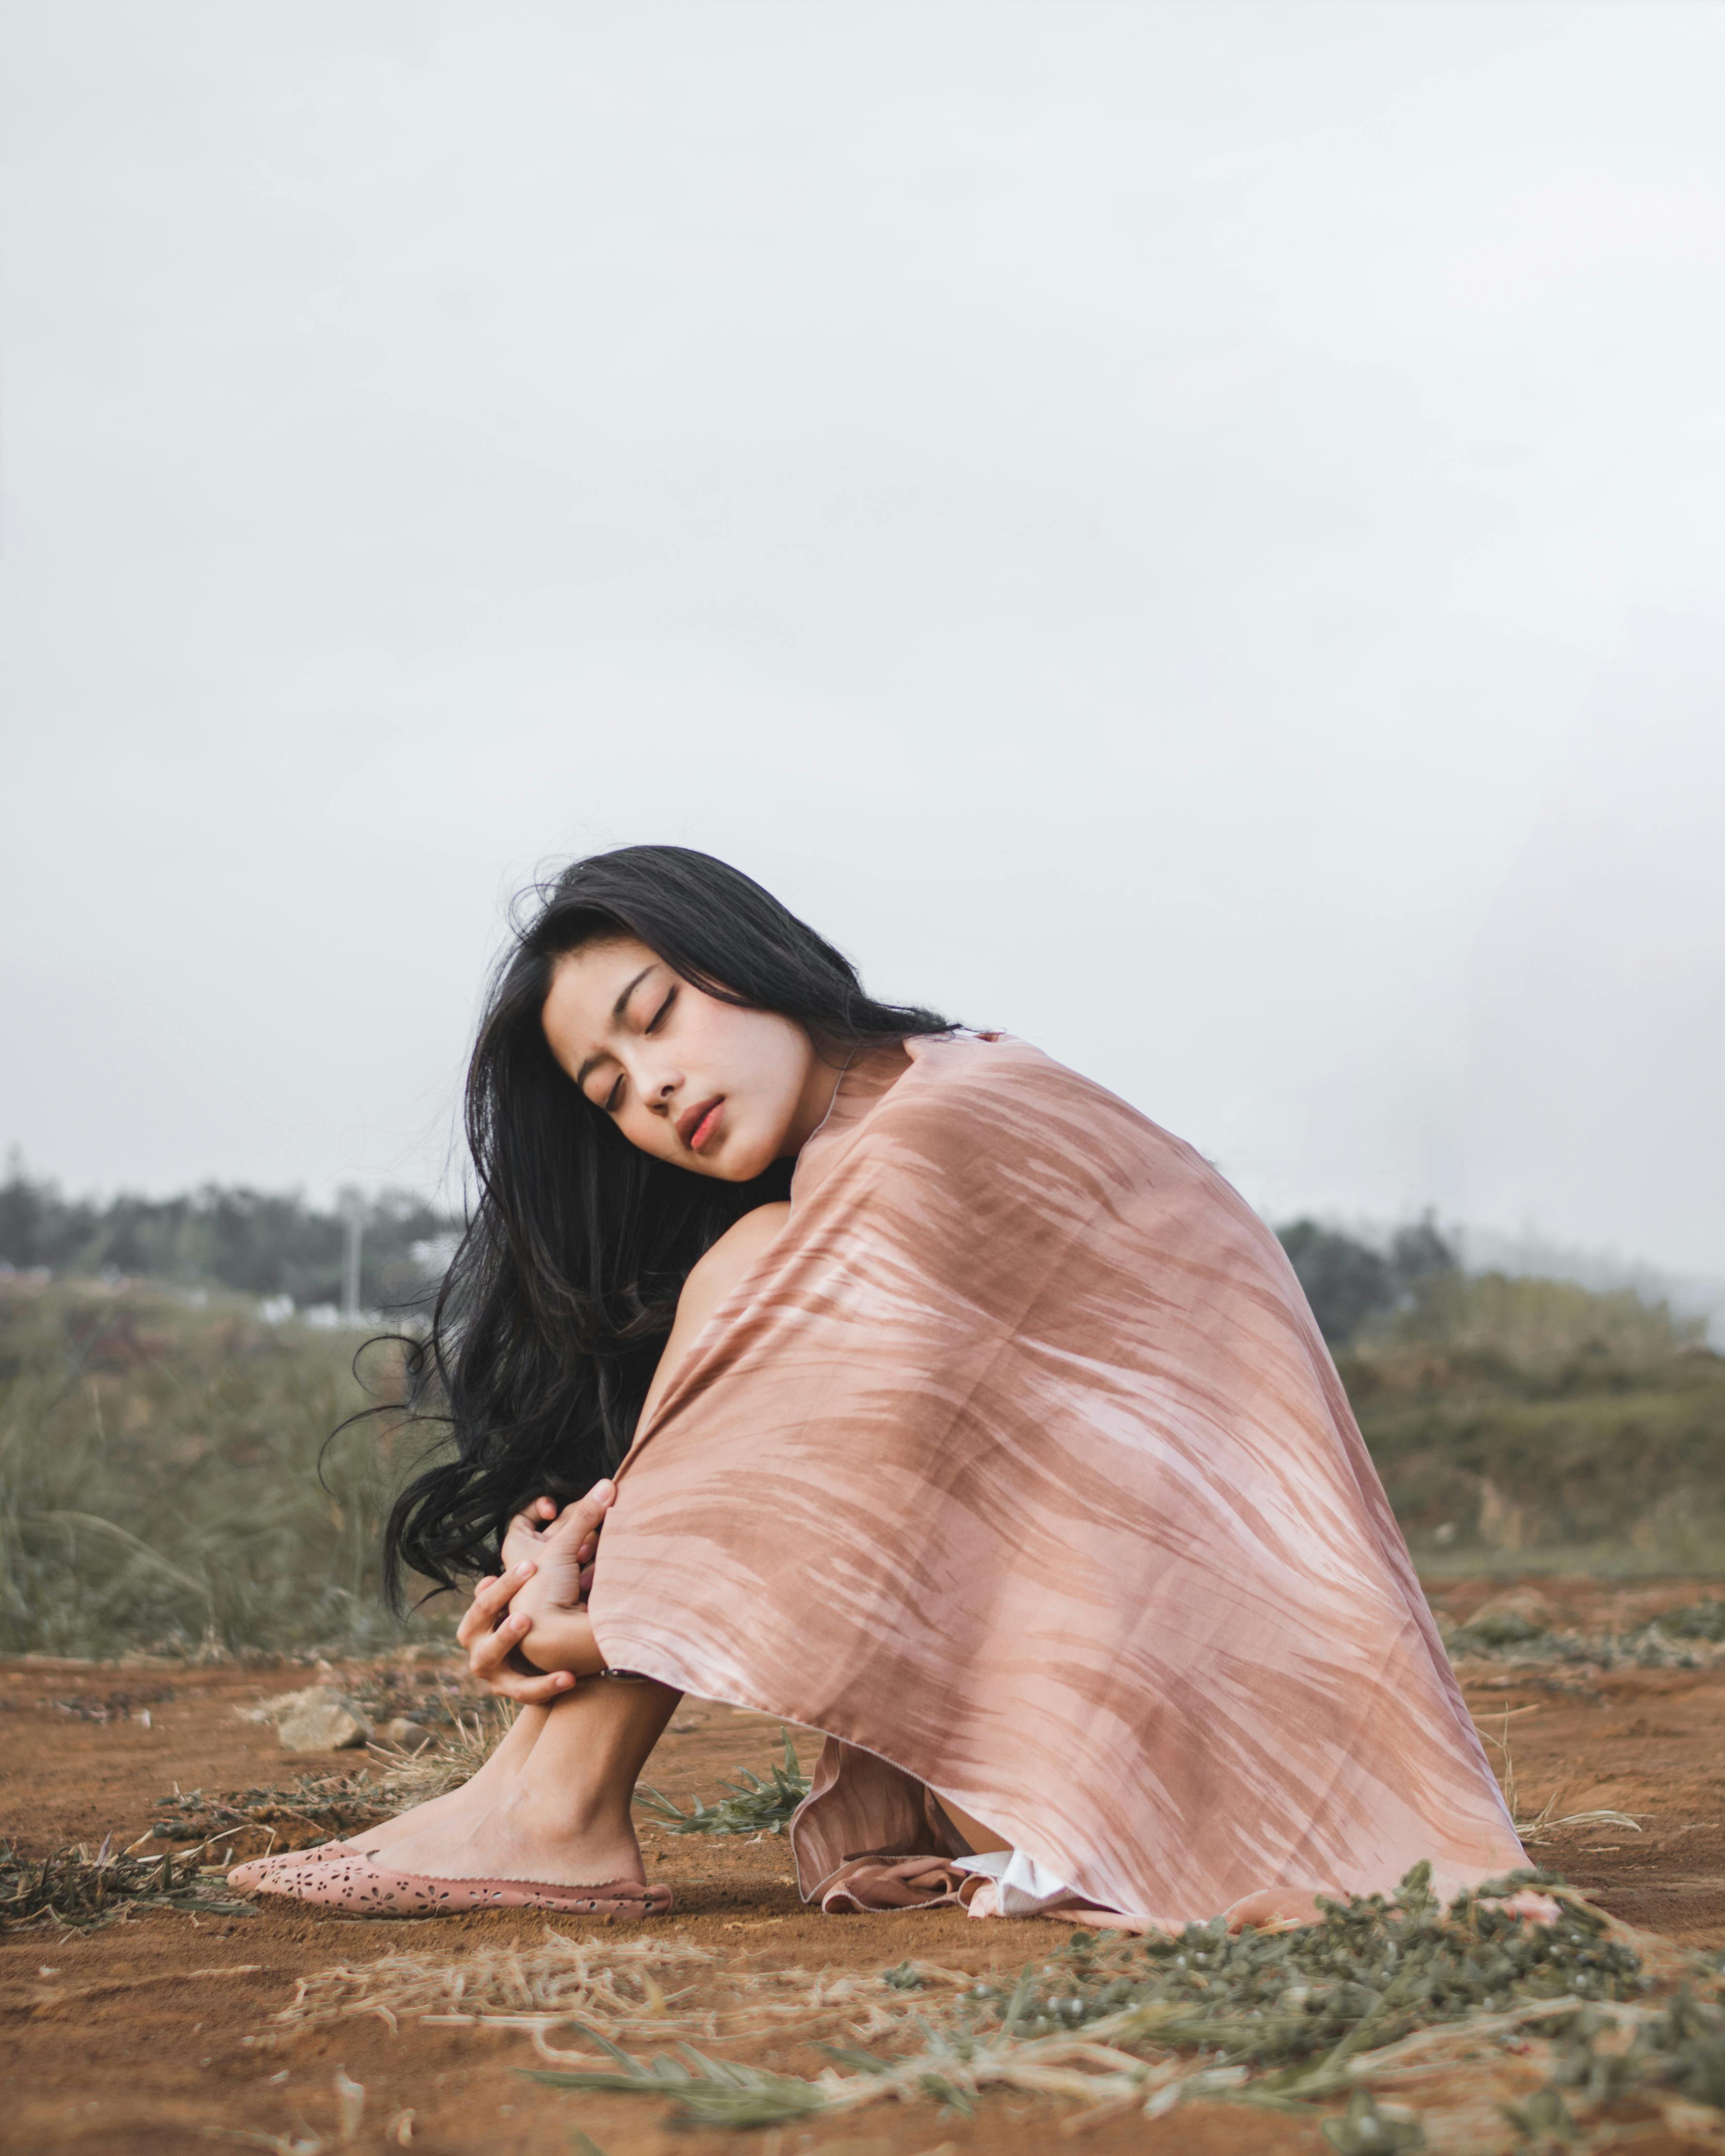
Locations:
(1194, 534)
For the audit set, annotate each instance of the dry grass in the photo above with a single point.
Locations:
(1459, 2012)
(639, 1990)
(247, 1823)
(72, 1889)
(397, 2132)
(455, 1756)
(1532, 1827)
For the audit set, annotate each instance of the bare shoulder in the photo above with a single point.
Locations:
(711, 1279)
(737, 1249)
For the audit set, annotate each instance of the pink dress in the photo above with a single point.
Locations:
(1017, 1465)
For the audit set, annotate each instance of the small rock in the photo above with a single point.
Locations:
(280, 1704)
(320, 1722)
(407, 1736)
(1535, 1610)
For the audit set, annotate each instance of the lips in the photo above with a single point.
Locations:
(697, 1126)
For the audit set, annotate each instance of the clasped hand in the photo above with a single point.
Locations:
(534, 1611)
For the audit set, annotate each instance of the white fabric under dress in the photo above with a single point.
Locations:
(1022, 1887)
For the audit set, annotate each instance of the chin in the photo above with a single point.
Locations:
(738, 1171)
(740, 1162)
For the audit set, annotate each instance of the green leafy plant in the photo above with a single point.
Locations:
(1695, 1620)
(753, 1806)
(713, 2092)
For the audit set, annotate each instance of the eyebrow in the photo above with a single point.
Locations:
(616, 1010)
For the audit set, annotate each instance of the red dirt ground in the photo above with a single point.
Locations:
(142, 2037)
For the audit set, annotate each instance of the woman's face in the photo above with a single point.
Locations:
(716, 1089)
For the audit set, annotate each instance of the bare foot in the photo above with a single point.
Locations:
(469, 1802)
(446, 1811)
(522, 1836)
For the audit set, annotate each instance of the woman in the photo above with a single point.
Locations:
(927, 1395)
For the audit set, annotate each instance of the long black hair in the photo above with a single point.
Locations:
(549, 1323)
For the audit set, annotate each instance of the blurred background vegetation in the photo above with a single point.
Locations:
(265, 1245)
(165, 1484)
(164, 1480)
(1523, 1424)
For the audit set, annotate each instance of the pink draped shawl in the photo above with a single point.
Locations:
(1017, 1465)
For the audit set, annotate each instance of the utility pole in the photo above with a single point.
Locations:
(353, 1226)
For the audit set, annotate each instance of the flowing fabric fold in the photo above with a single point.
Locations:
(1018, 1467)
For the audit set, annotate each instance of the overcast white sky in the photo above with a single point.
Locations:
(1194, 533)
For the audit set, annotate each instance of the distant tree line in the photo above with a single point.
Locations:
(266, 1244)
(1348, 1283)
(261, 1243)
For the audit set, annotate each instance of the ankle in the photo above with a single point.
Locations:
(576, 1815)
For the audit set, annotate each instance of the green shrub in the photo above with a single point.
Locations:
(1514, 1414)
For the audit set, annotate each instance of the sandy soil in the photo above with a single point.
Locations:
(151, 2035)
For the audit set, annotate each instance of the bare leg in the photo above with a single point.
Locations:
(563, 1817)
(474, 1796)
(981, 1838)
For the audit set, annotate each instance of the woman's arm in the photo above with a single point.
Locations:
(562, 1640)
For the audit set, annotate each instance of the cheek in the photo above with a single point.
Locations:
(646, 1131)
(766, 1068)
(777, 1080)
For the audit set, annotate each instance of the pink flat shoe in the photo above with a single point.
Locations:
(362, 1888)
(247, 1877)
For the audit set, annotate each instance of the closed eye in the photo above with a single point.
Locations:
(614, 1099)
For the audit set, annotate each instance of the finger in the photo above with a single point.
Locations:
(487, 1651)
(586, 1572)
(581, 1518)
(532, 1691)
(544, 1508)
(493, 1596)
(468, 1618)
(491, 1599)
(490, 1662)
